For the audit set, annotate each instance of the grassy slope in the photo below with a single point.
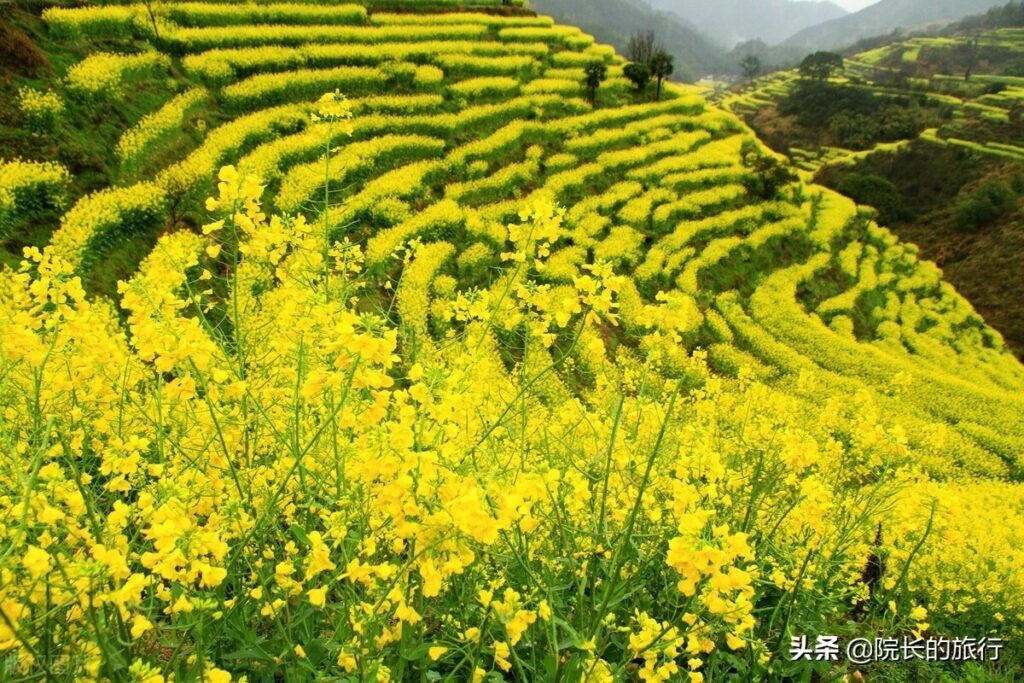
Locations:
(85, 137)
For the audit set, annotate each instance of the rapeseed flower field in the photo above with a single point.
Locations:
(443, 373)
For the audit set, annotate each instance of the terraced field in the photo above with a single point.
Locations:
(983, 112)
(439, 371)
(938, 154)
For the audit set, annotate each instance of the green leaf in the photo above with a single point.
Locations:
(418, 652)
(316, 651)
(300, 535)
(253, 653)
(573, 639)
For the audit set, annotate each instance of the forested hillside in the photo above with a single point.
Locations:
(433, 342)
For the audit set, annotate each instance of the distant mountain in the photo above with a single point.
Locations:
(883, 18)
(614, 21)
(729, 22)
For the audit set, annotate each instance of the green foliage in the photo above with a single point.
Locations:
(878, 192)
(1009, 15)
(984, 204)
(886, 124)
(768, 175)
(595, 73)
(751, 67)
(821, 66)
(662, 66)
(815, 103)
(856, 118)
(639, 74)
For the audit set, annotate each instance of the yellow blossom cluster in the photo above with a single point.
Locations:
(108, 73)
(28, 188)
(41, 109)
(156, 126)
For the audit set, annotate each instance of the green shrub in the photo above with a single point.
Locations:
(768, 175)
(984, 204)
(884, 124)
(876, 191)
(638, 74)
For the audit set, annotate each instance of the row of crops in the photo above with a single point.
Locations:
(464, 373)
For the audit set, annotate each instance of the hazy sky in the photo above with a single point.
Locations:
(854, 5)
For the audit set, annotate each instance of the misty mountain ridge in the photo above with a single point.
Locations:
(614, 21)
(729, 22)
(883, 18)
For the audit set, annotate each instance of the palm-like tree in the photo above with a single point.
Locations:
(661, 68)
